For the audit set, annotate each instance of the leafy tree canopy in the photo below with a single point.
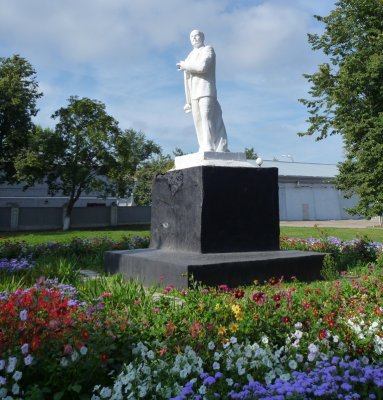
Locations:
(250, 153)
(145, 174)
(347, 97)
(18, 95)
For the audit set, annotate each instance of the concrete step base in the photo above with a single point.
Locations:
(160, 267)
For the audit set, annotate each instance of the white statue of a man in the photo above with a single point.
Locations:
(201, 95)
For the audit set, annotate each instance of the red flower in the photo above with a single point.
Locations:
(286, 319)
(107, 294)
(277, 298)
(322, 334)
(239, 293)
(85, 334)
(259, 298)
(104, 357)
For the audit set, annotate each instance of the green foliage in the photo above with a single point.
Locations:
(329, 271)
(132, 148)
(86, 152)
(18, 95)
(250, 153)
(43, 237)
(145, 174)
(347, 97)
(74, 158)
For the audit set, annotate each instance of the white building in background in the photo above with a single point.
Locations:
(307, 192)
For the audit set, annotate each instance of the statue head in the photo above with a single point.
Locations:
(197, 38)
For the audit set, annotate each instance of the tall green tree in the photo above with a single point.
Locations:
(347, 97)
(73, 158)
(18, 96)
(250, 153)
(142, 193)
(86, 152)
(131, 148)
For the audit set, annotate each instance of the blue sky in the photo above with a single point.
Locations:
(123, 53)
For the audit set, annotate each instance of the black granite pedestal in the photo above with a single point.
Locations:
(215, 225)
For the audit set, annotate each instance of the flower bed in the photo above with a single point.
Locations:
(111, 339)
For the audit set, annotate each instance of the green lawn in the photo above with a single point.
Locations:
(60, 236)
(374, 234)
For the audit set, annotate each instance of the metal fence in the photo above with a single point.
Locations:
(51, 218)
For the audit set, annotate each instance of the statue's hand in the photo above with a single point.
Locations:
(181, 65)
(187, 108)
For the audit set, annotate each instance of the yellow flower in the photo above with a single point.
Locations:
(217, 307)
(237, 312)
(236, 309)
(222, 330)
(233, 327)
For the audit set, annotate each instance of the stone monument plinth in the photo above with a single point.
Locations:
(216, 223)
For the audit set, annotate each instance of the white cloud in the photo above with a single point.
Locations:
(123, 52)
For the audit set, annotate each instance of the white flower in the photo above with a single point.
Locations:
(3, 393)
(265, 339)
(229, 382)
(313, 348)
(293, 364)
(3, 381)
(335, 338)
(211, 346)
(17, 376)
(28, 360)
(64, 362)
(183, 373)
(298, 325)
(143, 390)
(216, 366)
(298, 334)
(105, 393)
(150, 354)
(361, 336)
(311, 356)
(15, 388)
(241, 370)
(74, 356)
(233, 340)
(25, 348)
(83, 350)
(202, 389)
(285, 377)
(11, 364)
(23, 315)
(299, 358)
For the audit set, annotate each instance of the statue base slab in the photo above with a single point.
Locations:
(212, 158)
(181, 269)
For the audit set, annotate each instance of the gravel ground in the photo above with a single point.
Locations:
(342, 223)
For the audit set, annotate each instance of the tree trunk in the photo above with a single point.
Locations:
(66, 223)
(67, 215)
